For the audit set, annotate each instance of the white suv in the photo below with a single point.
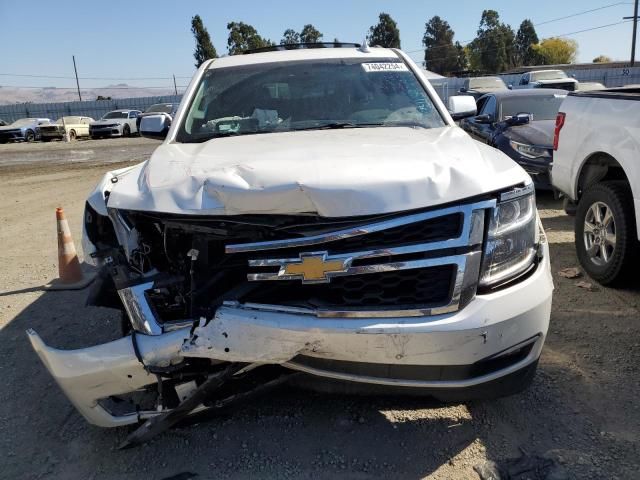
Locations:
(317, 211)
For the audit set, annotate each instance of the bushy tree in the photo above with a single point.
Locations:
(244, 37)
(440, 54)
(525, 39)
(204, 48)
(494, 45)
(385, 33)
(310, 34)
(290, 37)
(556, 50)
(602, 59)
(462, 62)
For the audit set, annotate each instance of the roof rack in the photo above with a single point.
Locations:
(297, 46)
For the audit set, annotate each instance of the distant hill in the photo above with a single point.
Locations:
(11, 95)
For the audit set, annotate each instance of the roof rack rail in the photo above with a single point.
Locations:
(297, 46)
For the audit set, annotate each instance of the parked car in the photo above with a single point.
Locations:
(548, 79)
(166, 108)
(311, 210)
(597, 143)
(520, 123)
(25, 129)
(479, 86)
(75, 126)
(117, 123)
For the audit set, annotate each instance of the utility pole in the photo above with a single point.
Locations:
(77, 82)
(175, 87)
(635, 32)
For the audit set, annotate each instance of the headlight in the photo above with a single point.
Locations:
(529, 150)
(511, 241)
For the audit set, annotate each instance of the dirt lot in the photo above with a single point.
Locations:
(582, 411)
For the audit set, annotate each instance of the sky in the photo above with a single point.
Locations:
(144, 43)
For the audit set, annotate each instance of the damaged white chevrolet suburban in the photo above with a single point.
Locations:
(313, 212)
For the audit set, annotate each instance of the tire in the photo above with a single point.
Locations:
(29, 136)
(126, 131)
(72, 135)
(606, 233)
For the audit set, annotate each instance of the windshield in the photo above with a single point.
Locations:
(115, 115)
(494, 83)
(23, 122)
(540, 107)
(549, 75)
(305, 95)
(160, 108)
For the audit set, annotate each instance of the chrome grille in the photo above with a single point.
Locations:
(418, 265)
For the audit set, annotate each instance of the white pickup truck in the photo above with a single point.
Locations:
(597, 164)
(547, 79)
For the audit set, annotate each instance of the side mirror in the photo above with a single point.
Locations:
(486, 118)
(519, 119)
(462, 106)
(155, 126)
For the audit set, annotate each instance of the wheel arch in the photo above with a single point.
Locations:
(598, 167)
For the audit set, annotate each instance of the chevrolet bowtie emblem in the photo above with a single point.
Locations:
(314, 268)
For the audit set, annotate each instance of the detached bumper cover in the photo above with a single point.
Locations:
(490, 326)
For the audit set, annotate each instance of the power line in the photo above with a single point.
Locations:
(169, 87)
(557, 19)
(87, 78)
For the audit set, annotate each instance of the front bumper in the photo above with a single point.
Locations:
(491, 326)
(105, 131)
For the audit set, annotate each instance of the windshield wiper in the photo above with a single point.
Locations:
(336, 125)
(204, 137)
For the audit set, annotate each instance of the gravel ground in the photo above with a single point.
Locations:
(581, 411)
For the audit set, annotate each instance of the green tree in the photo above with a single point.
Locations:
(310, 34)
(290, 37)
(525, 39)
(602, 59)
(440, 55)
(494, 47)
(204, 48)
(243, 37)
(385, 33)
(556, 51)
(462, 61)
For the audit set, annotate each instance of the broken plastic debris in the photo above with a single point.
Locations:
(570, 272)
(587, 286)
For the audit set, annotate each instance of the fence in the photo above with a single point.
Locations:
(609, 77)
(95, 109)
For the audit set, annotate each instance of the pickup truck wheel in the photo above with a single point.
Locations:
(126, 131)
(605, 231)
(29, 136)
(72, 135)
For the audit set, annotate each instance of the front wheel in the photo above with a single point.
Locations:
(126, 131)
(605, 231)
(30, 136)
(72, 135)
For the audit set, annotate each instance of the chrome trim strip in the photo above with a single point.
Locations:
(517, 192)
(466, 210)
(135, 303)
(458, 260)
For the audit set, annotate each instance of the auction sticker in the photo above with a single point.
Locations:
(384, 67)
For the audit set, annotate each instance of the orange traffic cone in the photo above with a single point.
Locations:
(68, 263)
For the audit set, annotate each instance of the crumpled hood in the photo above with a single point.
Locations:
(332, 173)
(534, 133)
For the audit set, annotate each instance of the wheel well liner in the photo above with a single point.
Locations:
(599, 166)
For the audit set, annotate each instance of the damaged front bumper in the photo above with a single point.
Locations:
(495, 335)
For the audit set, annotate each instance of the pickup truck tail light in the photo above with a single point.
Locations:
(556, 133)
